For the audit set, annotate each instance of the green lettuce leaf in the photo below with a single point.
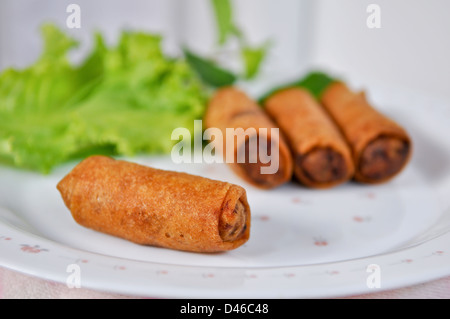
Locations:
(121, 100)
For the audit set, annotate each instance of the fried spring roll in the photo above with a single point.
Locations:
(381, 148)
(322, 156)
(233, 109)
(154, 207)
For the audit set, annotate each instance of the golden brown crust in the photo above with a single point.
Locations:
(154, 207)
(232, 108)
(323, 158)
(362, 125)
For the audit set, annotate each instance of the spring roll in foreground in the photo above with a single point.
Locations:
(155, 207)
(322, 156)
(231, 108)
(381, 148)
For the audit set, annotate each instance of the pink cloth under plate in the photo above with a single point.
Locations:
(15, 285)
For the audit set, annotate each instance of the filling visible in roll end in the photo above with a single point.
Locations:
(323, 166)
(233, 224)
(253, 169)
(383, 158)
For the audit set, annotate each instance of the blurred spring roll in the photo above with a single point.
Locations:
(322, 156)
(155, 207)
(262, 145)
(381, 148)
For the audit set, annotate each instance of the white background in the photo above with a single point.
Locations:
(412, 48)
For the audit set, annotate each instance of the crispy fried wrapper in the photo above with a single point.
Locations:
(155, 207)
(381, 148)
(230, 108)
(322, 156)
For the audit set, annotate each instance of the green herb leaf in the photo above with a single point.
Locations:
(223, 11)
(253, 58)
(315, 82)
(209, 71)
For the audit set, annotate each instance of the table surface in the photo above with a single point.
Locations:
(15, 285)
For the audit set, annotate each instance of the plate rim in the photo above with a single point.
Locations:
(393, 262)
(415, 275)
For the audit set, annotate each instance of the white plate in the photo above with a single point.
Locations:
(304, 243)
